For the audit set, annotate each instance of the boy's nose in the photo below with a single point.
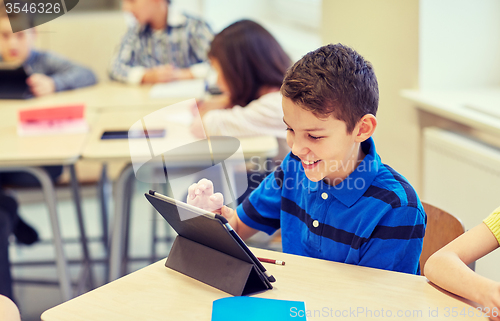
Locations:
(299, 149)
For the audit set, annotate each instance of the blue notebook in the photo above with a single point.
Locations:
(244, 308)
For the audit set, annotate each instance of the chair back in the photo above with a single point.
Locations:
(442, 228)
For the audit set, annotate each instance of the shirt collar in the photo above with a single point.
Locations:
(350, 190)
(175, 19)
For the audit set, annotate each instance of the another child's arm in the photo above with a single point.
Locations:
(214, 102)
(200, 39)
(165, 73)
(263, 116)
(41, 85)
(217, 102)
(202, 195)
(127, 68)
(8, 310)
(448, 268)
(64, 74)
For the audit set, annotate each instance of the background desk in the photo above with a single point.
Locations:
(27, 154)
(159, 293)
(176, 133)
(106, 95)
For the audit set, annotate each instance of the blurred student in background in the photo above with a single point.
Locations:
(250, 67)
(162, 45)
(50, 72)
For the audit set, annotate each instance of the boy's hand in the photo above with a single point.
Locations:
(491, 302)
(202, 195)
(41, 85)
(217, 102)
(165, 73)
(197, 128)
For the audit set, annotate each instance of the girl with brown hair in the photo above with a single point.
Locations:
(250, 64)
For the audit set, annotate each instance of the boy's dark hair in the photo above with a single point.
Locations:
(333, 80)
(18, 21)
(250, 57)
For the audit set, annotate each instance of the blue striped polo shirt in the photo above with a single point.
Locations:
(373, 218)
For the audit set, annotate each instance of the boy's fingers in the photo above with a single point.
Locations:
(191, 190)
(226, 211)
(203, 181)
(31, 81)
(217, 200)
(206, 186)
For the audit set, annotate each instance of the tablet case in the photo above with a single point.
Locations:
(13, 83)
(207, 252)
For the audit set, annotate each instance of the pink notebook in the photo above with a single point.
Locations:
(53, 121)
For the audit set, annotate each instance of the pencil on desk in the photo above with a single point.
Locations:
(277, 262)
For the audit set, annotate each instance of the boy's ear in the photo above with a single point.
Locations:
(365, 127)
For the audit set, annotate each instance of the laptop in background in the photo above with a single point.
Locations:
(13, 82)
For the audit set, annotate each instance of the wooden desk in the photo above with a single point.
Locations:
(158, 293)
(106, 95)
(27, 154)
(177, 134)
(37, 150)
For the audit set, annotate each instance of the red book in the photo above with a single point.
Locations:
(52, 113)
(52, 121)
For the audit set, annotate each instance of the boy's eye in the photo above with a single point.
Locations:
(289, 129)
(315, 137)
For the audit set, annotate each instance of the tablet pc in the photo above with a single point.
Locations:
(205, 228)
(125, 134)
(13, 82)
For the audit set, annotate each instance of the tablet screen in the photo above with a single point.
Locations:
(199, 228)
(124, 134)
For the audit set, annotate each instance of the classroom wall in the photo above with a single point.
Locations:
(88, 38)
(296, 28)
(386, 33)
(459, 44)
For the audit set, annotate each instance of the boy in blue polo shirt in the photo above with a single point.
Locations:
(332, 197)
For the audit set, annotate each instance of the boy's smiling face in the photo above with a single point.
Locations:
(325, 148)
(15, 47)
